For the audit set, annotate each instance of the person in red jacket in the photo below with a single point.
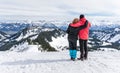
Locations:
(83, 38)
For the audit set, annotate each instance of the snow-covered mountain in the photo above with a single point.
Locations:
(104, 33)
(44, 36)
(11, 28)
(108, 34)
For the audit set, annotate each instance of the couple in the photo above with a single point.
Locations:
(78, 28)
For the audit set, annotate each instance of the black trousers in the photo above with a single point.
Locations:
(83, 48)
(72, 44)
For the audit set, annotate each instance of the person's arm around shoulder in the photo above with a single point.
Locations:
(83, 26)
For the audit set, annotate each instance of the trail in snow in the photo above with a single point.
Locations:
(58, 62)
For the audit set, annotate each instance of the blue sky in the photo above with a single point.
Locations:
(60, 7)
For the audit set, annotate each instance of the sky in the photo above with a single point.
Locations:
(60, 7)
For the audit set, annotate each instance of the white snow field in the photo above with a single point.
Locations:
(59, 62)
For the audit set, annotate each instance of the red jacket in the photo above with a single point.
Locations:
(84, 33)
(75, 25)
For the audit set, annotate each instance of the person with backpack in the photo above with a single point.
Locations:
(83, 38)
(73, 30)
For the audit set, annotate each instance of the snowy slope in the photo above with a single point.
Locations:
(2, 37)
(115, 38)
(60, 43)
(58, 62)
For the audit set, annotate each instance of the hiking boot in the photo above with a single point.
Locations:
(85, 58)
(80, 59)
(73, 59)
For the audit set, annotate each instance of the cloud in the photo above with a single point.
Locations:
(60, 8)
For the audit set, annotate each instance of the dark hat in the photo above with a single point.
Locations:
(81, 16)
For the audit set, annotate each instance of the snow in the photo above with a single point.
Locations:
(106, 43)
(19, 38)
(33, 31)
(115, 38)
(47, 29)
(1, 37)
(25, 47)
(106, 37)
(58, 62)
(117, 29)
(34, 37)
(33, 48)
(108, 49)
(59, 43)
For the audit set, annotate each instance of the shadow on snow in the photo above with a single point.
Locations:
(30, 61)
